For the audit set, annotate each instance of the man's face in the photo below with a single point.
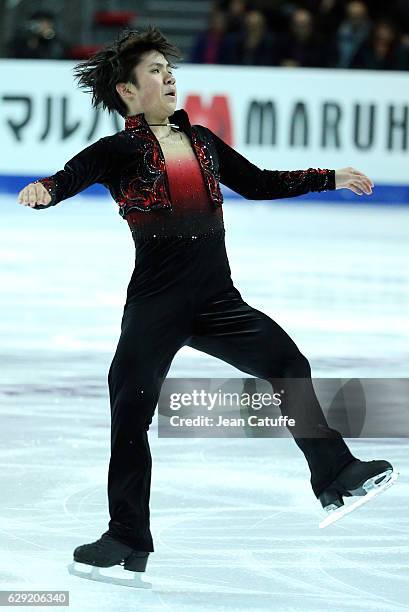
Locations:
(155, 81)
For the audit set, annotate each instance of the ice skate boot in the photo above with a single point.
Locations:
(365, 479)
(108, 552)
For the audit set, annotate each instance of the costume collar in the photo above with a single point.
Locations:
(179, 117)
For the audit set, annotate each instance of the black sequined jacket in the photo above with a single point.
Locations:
(132, 166)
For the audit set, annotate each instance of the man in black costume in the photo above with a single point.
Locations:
(164, 173)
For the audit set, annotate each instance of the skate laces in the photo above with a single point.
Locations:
(103, 541)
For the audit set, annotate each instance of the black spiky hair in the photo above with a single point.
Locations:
(114, 64)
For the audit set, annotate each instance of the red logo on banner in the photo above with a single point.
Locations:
(215, 116)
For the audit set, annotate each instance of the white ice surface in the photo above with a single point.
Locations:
(234, 521)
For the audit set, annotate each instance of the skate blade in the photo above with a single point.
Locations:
(373, 491)
(373, 483)
(92, 572)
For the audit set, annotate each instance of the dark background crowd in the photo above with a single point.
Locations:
(307, 33)
(298, 33)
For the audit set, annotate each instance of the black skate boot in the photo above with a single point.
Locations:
(108, 552)
(360, 478)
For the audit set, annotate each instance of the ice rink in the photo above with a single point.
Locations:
(234, 521)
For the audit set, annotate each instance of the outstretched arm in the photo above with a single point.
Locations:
(247, 179)
(91, 165)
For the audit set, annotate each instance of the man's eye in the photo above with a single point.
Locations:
(157, 70)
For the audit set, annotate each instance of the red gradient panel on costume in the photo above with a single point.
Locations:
(187, 188)
(192, 213)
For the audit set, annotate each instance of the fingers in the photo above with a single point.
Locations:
(32, 194)
(28, 196)
(360, 182)
(360, 187)
(366, 180)
(355, 187)
(31, 198)
(364, 185)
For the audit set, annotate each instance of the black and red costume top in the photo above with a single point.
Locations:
(181, 197)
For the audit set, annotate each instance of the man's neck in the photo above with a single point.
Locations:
(156, 124)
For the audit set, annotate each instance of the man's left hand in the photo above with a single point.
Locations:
(349, 178)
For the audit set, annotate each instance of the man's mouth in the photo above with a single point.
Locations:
(173, 95)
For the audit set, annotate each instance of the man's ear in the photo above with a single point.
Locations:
(123, 89)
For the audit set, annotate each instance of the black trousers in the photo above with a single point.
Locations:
(181, 293)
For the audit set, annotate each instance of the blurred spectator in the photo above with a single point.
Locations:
(383, 50)
(277, 13)
(255, 45)
(328, 15)
(235, 11)
(38, 39)
(209, 47)
(352, 33)
(301, 45)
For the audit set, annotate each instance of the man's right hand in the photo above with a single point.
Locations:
(32, 194)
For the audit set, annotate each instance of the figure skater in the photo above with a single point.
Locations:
(164, 174)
